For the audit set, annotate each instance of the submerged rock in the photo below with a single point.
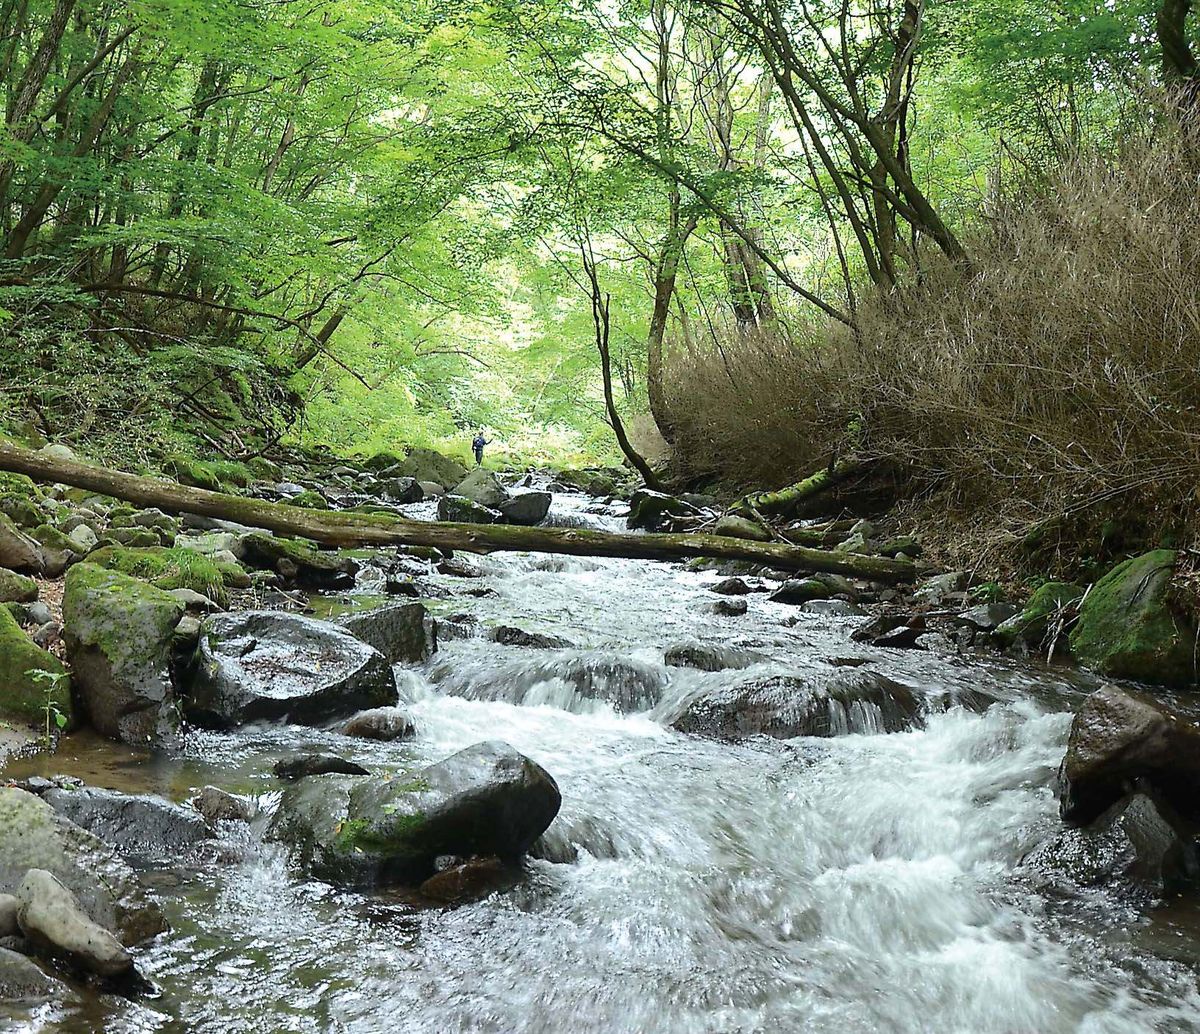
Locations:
(216, 805)
(709, 657)
(507, 635)
(785, 706)
(301, 766)
(52, 919)
(1129, 628)
(405, 633)
(22, 980)
(1118, 739)
(118, 632)
(485, 800)
(275, 666)
(470, 880)
(34, 836)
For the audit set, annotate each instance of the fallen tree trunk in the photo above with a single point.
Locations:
(787, 499)
(342, 529)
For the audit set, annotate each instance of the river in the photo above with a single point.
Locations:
(859, 883)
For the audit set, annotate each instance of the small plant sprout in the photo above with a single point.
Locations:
(55, 720)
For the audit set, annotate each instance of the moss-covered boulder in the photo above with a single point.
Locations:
(16, 588)
(465, 511)
(190, 471)
(309, 500)
(23, 511)
(19, 551)
(485, 800)
(1050, 602)
(653, 511)
(1128, 626)
(118, 632)
(24, 695)
(33, 836)
(173, 567)
(58, 551)
(428, 465)
(299, 563)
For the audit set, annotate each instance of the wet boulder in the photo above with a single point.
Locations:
(939, 589)
(486, 800)
(22, 980)
(527, 508)
(298, 563)
(507, 635)
(34, 836)
(1139, 844)
(785, 706)
(405, 633)
(140, 827)
(216, 805)
(302, 766)
(899, 631)
(54, 922)
(483, 487)
(380, 723)
(18, 551)
(709, 657)
(25, 693)
(985, 617)
(1121, 739)
(465, 511)
(800, 590)
(118, 633)
(653, 511)
(476, 878)
(1129, 626)
(401, 490)
(731, 608)
(274, 666)
(730, 587)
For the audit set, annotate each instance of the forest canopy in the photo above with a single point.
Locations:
(748, 223)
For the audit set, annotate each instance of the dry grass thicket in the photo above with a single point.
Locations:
(1058, 383)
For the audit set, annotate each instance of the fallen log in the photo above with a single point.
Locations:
(785, 500)
(342, 529)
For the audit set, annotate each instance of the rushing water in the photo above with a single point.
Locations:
(860, 883)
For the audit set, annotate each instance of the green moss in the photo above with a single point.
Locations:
(22, 695)
(1033, 623)
(19, 485)
(16, 588)
(168, 567)
(310, 500)
(230, 472)
(22, 510)
(1127, 627)
(190, 471)
(52, 538)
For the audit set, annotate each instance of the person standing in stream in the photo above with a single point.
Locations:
(477, 445)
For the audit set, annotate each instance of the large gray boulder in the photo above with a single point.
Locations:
(140, 827)
(527, 508)
(269, 665)
(709, 656)
(483, 487)
(1121, 738)
(405, 633)
(465, 511)
(298, 563)
(118, 633)
(54, 922)
(485, 800)
(400, 490)
(18, 551)
(34, 836)
(785, 706)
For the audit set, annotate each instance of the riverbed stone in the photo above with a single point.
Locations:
(507, 635)
(118, 632)
(986, 617)
(483, 487)
(23, 980)
(1128, 626)
(405, 633)
(380, 723)
(8, 916)
(786, 706)
(796, 591)
(465, 511)
(526, 508)
(430, 465)
(317, 763)
(19, 551)
(653, 511)
(216, 805)
(485, 800)
(731, 608)
(401, 490)
(16, 588)
(299, 563)
(24, 693)
(55, 923)
(1120, 738)
(140, 827)
(33, 835)
(276, 666)
(1049, 612)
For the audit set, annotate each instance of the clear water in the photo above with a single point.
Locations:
(862, 883)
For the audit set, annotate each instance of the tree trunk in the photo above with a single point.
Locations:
(356, 529)
(786, 499)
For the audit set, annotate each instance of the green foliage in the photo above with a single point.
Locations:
(170, 568)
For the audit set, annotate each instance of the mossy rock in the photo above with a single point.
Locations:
(1129, 628)
(297, 561)
(310, 500)
(50, 537)
(383, 460)
(16, 588)
(230, 472)
(135, 538)
(22, 510)
(119, 632)
(1032, 625)
(19, 485)
(23, 696)
(172, 567)
(189, 471)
